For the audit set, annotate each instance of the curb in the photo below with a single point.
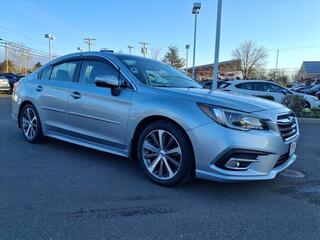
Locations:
(309, 120)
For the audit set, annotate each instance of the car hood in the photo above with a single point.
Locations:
(220, 98)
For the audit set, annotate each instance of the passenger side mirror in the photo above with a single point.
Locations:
(108, 81)
(284, 92)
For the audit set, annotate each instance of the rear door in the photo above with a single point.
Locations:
(275, 90)
(54, 93)
(95, 114)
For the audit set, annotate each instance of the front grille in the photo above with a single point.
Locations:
(287, 126)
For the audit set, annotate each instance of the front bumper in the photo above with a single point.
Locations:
(212, 141)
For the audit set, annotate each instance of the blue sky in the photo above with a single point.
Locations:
(288, 25)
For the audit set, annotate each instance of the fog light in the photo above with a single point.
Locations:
(239, 164)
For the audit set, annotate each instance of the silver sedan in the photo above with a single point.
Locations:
(146, 110)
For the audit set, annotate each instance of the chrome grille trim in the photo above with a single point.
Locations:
(287, 126)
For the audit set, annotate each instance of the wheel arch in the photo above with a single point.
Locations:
(24, 103)
(146, 121)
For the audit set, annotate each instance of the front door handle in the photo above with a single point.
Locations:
(39, 88)
(76, 95)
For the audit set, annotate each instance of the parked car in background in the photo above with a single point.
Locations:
(4, 85)
(207, 84)
(144, 109)
(302, 88)
(12, 78)
(313, 90)
(268, 90)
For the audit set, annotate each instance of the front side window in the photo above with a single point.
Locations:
(91, 69)
(64, 72)
(157, 74)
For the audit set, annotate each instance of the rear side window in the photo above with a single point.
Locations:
(246, 86)
(64, 72)
(254, 86)
(46, 73)
(91, 69)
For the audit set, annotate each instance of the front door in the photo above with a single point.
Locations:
(95, 115)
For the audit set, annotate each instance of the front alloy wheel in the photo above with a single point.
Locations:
(161, 154)
(165, 153)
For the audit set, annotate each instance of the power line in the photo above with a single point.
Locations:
(25, 48)
(21, 35)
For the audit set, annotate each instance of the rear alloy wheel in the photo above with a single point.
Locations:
(30, 124)
(165, 153)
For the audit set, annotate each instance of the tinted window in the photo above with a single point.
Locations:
(64, 72)
(270, 87)
(91, 69)
(156, 74)
(251, 86)
(246, 86)
(46, 73)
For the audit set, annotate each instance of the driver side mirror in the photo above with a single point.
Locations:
(284, 92)
(108, 81)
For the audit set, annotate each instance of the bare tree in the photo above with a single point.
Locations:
(251, 56)
(155, 53)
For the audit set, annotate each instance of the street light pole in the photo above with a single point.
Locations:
(195, 11)
(187, 55)
(49, 37)
(217, 48)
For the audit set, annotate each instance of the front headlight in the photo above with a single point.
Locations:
(234, 119)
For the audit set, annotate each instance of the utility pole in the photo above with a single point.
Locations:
(6, 56)
(130, 48)
(144, 48)
(217, 48)
(275, 72)
(25, 64)
(89, 41)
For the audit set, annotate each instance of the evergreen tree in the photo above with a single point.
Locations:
(172, 57)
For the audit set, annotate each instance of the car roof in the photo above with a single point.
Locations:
(246, 81)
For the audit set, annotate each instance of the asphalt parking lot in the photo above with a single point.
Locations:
(57, 190)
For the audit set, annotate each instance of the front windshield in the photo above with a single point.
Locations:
(157, 74)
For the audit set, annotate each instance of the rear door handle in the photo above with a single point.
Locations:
(39, 88)
(76, 95)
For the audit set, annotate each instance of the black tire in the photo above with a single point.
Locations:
(307, 105)
(186, 168)
(38, 134)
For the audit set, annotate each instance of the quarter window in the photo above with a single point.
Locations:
(46, 73)
(64, 72)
